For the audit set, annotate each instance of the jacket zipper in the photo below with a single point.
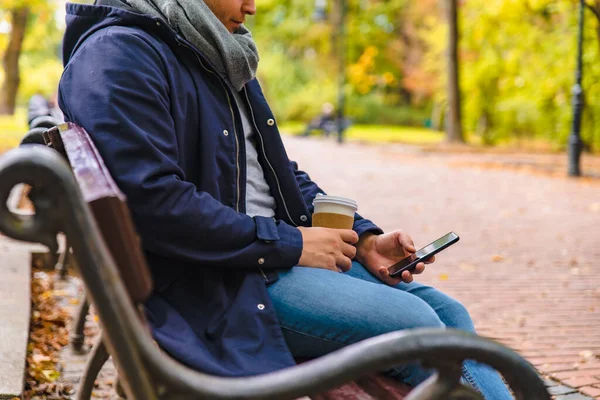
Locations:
(237, 143)
(262, 145)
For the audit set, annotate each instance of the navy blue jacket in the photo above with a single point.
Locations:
(168, 128)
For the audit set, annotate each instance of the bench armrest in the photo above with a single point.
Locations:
(443, 350)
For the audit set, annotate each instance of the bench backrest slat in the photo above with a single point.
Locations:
(108, 205)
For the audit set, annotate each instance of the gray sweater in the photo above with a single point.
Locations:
(259, 201)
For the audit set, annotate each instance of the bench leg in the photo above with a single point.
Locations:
(63, 262)
(98, 358)
(77, 336)
(119, 389)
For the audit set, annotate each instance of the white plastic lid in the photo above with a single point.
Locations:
(342, 201)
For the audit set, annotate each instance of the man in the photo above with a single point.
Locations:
(167, 90)
(38, 106)
(325, 122)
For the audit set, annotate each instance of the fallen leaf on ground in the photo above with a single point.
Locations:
(443, 277)
(51, 374)
(467, 267)
(47, 336)
(38, 358)
(497, 258)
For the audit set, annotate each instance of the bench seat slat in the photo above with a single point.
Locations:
(108, 204)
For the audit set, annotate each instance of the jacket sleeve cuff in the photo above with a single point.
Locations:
(284, 243)
(362, 226)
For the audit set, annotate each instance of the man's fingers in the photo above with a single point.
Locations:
(419, 268)
(349, 250)
(384, 275)
(348, 236)
(429, 260)
(408, 245)
(344, 263)
(407, 242)
(407, 277)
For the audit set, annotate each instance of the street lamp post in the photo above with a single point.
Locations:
(575, 143)
(342, 72)
(321, 15)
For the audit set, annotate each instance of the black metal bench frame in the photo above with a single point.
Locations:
(148, 373)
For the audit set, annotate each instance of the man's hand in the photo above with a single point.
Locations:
(378, 252)
(328, 248)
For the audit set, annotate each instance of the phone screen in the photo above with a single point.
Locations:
(424, 253)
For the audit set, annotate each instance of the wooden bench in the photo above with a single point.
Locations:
(76, 195)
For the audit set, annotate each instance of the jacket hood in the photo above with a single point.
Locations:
(83, 20)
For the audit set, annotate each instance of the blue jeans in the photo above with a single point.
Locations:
(321, 311)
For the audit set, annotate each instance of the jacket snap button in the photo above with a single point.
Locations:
(157, 23)
(270, 122)
(225, 132)
(261, 261)
(261, 307)
(303, 218)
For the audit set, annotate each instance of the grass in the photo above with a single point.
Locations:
(378, 133)
(432, 140)
(12, 129)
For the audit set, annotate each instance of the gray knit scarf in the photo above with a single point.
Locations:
(234, 55)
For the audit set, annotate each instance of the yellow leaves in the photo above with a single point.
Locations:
(51, 375)
(443, 277)
(362, 73)
(359, 74)
(389, 78)
(497, 258)
(40, 78)
(538, 5)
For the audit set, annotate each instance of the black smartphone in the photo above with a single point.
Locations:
(423, 254)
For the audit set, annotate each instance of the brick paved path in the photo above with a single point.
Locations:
(527, 265)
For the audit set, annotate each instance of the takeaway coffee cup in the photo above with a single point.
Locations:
(334, 212)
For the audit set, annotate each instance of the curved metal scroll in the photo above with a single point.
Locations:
(44, 121)
(433, 347)
(150, 374)
(60, 207)
(34, 136)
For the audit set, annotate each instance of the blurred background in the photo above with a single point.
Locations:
(467, 89)
(386, 62)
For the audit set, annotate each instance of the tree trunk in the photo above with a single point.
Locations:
(8, 93)
(454, 133)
